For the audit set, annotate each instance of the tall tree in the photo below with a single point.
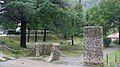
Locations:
(106, 14)
(46, 14)
(20, 11)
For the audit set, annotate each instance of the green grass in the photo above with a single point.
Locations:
(72, 50)
(66, 48)
(49, 39)
(71, 53)
(117, 54)
(12, 42)
(113, 58)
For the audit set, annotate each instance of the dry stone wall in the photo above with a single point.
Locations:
(54, 56)
(48, 49)
(93, 44)
(43, 49)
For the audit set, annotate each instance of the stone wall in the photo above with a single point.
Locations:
(48, 49)
(93, 44)
(43, 49)
(54, 56)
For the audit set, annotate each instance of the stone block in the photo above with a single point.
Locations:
(93, 44)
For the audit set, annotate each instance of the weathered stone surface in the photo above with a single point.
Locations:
(48, 49)
(54, 56)
(93, 44)
(43, 49)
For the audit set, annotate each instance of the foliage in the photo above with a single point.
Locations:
(45, 14)
(15, 11)
(106, 14)
(116, 42)
(106, 41)
(57, 19)
(20, 11)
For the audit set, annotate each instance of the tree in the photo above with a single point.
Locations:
(106, 14)
(20, 11)
(68, 21)
(47, 11)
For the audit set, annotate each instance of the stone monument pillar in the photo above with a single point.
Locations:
(93, 44)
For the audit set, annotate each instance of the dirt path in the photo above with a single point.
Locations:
(30, 63)
(2, 55)
(64, 62)
(79, 59)
(111, 49)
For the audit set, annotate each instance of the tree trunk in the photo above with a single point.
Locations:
(23, 34)
(79, 1)
(28, 39)
(45, 32)
(72, 40)
(65, 36)
(36, 35)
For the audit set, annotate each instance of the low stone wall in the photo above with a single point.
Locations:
(93, 44)
(48, 49)
(43, 49)
(54, 56)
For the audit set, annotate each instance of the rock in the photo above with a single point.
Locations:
(9, 58)
(43, 49)
(2, 59)
(54, 56)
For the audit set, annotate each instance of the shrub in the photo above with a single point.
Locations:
(116, 42)
(106, 41)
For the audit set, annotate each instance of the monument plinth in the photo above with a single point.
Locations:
(93, 44)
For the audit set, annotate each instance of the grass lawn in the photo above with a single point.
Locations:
(14, 49)
(10, 41)
(66, 47)
(113, 58)
(72, 50)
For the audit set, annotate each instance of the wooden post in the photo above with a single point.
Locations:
(3, 49)
(107, 59)
(115, 57)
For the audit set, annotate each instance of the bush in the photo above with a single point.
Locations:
(116, 42)
(106, 41)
